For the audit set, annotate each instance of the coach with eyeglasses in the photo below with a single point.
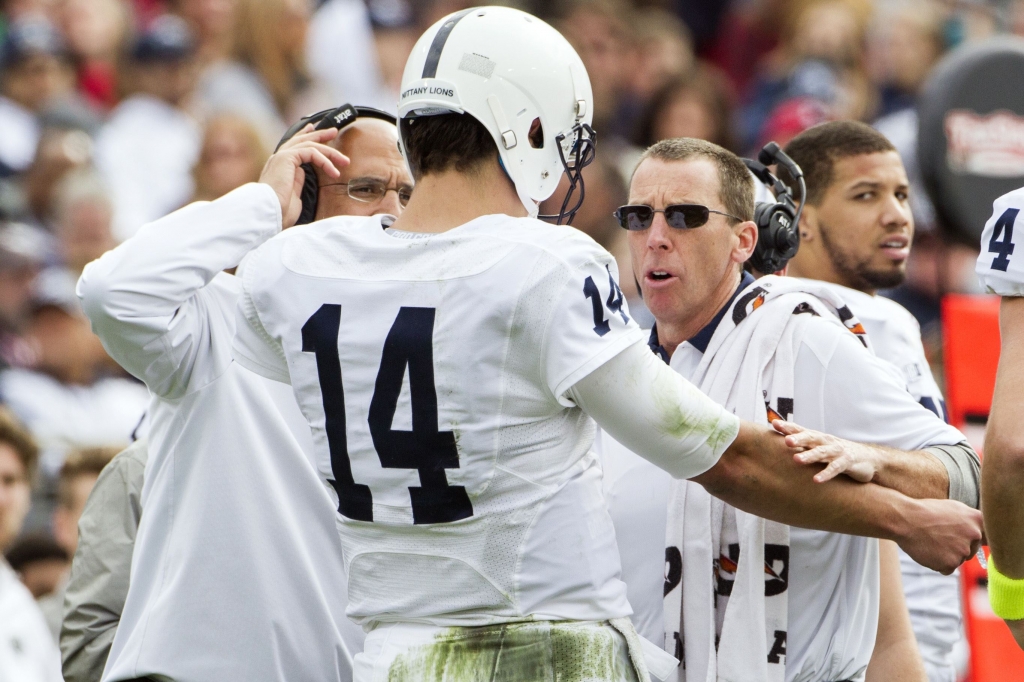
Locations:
(375, 180)
(749, 598)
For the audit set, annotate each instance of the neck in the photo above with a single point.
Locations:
(443, 201)
(820, 267)
(671, 333)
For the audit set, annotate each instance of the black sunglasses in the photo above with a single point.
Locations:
(679, 216)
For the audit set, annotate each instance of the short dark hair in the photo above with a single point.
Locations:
(736, 185)
(15, 434)
(817, 149)
(85, 462)
(435, 144)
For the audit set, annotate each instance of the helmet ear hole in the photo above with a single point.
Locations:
(536, 135)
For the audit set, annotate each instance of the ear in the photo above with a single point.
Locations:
(809, 224)
(746, 234)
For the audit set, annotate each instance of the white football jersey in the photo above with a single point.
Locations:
(1001, 261)
(433, 371)
(933, 599)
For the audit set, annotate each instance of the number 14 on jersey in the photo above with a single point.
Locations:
(425, 448)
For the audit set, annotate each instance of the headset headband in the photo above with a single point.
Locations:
(339, 118)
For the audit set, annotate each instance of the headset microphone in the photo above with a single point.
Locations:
(778, 223)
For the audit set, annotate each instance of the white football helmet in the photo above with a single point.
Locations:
(506, 69)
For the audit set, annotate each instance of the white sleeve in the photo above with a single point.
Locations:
(646, 406)
(146, 298)
(254, 347)
(589, 325)
(1000, 265)
(864, 400)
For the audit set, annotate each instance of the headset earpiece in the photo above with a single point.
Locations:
(338, 118)
(778, 229)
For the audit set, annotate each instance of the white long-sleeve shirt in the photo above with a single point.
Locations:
(237, 572)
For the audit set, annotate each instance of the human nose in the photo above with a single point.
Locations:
(896, 214)
(390, 202)
(659, 233)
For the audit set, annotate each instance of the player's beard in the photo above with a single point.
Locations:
(858, 271)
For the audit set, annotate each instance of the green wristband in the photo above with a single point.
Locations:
(1005, 594)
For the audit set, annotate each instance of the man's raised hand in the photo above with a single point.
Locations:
(283, 170)
(856, 460)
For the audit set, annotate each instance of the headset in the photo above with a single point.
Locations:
(339, 118)
(778, 223)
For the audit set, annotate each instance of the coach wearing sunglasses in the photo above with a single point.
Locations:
(764, 600)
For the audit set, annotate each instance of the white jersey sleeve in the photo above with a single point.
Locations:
(652, 410)
(1000, 264)
(148, 299)
(589, 325)
(254, 348)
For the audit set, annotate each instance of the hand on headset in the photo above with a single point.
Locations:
(284, 173)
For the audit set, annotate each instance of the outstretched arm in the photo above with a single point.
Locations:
(1002, 476)
(653, 411)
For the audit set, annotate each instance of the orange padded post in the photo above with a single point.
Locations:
(970, 332)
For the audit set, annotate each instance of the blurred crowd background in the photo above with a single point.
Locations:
(115, 112)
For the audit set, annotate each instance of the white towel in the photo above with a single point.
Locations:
(748, 367)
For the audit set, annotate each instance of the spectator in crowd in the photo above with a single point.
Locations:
(23, 251)
(40, 562)
(149, 145)
(34, 71)
(343, 52)
(232, 155)
(396, 27)
(599, 31)
(212, 22)
(59, 152)
(76, 480)
(27, 651)
(96, 31)
(698, 104)
(82, 215)
(906, 40)
(821, 56)
(265, 79)
(65, 399)
(661, 50)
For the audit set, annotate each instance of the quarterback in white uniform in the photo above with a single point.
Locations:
(447, 364)
(1002, 273)
(235, 571)
(856, 235)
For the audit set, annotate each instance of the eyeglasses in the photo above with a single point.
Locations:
(679, 216)
(371, 190)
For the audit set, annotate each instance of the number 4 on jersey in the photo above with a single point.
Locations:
(614, 302)
(429, 451)
(1003, 248)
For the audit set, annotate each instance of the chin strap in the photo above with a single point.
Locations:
(582, 154)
